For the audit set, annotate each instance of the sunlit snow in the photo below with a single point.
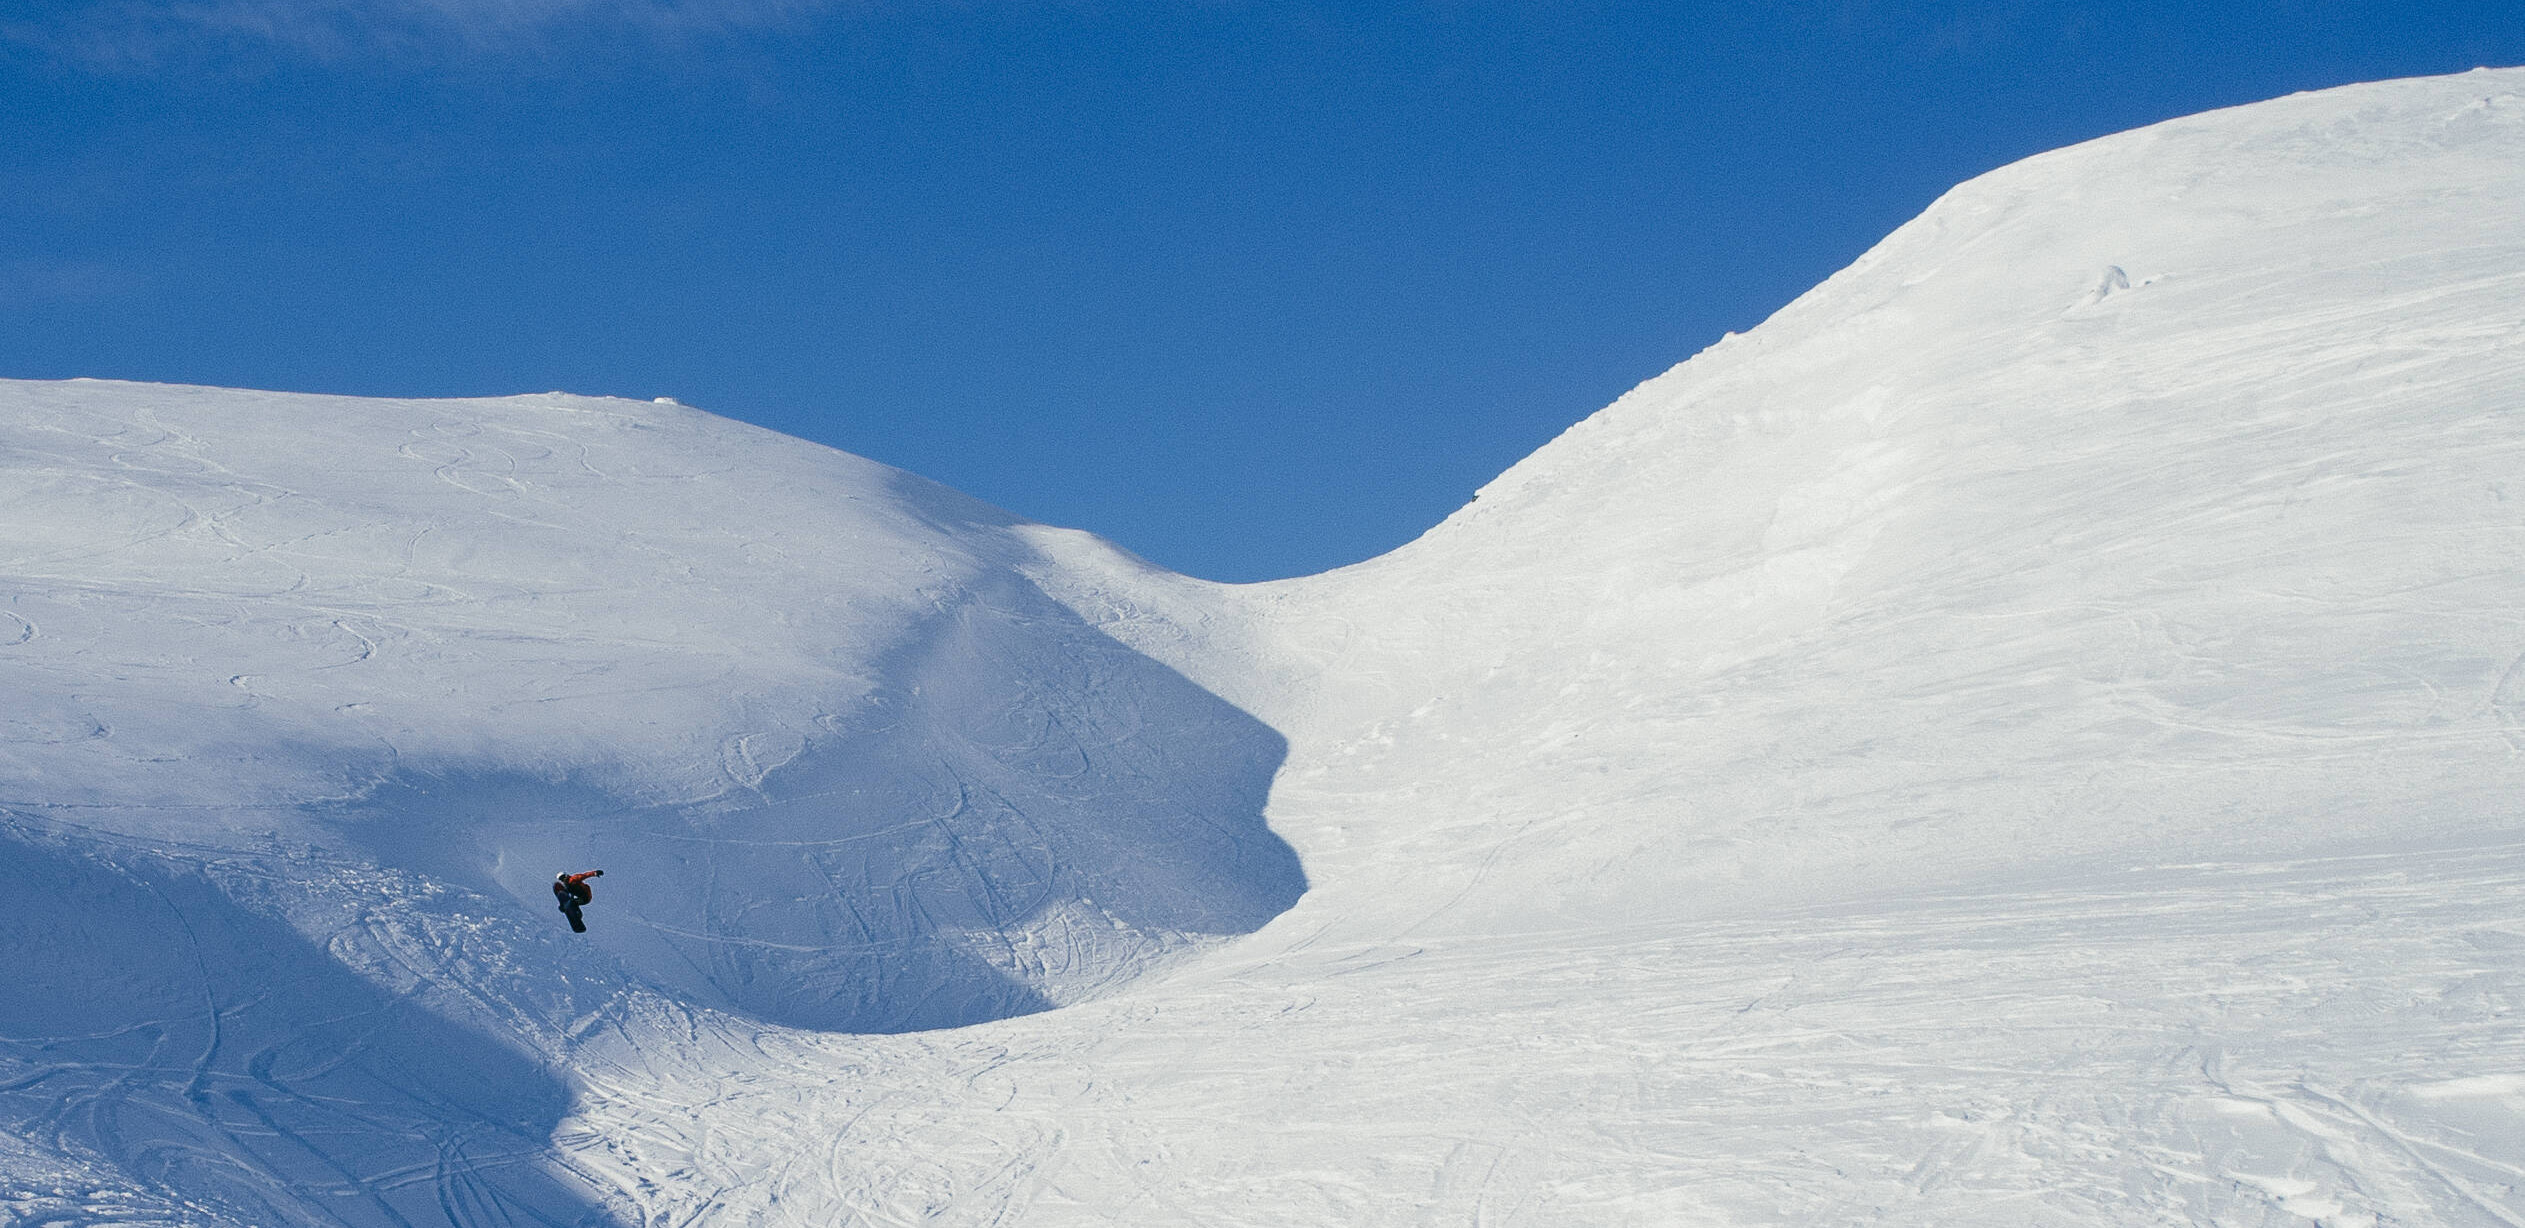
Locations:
(2032, 734)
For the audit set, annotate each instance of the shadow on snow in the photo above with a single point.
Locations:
(206, 1050)
(1026, 812)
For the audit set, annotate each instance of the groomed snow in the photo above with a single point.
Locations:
(2032, 734)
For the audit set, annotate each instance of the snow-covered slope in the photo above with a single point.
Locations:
(2151, 503)
(2029, 735)
(2159, 493)
(311, 697)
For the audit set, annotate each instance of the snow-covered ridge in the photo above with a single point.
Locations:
(320, 693)
(2156, 492)
(2027, 735)
(803, 697)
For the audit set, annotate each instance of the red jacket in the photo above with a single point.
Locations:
(574, 889)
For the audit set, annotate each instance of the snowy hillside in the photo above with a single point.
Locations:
(312, 697)
(2032, 734)
(2157, 494)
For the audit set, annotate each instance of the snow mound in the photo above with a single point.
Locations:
(2155, 494)
(311, 697)
(846, 767)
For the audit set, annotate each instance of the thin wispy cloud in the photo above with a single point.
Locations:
(39, 282)
(145, 34)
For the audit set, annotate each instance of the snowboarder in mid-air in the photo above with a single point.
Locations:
(572, 890)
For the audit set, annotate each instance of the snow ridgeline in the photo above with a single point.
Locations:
(2028, 735)
(2157, 493)
(311, 697)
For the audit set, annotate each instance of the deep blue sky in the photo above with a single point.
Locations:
(1253, 289)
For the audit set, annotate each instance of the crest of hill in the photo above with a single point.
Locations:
(2154, 493)
(848, 767)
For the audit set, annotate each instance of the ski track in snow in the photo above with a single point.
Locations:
(2230, 1043)
(2028, 736)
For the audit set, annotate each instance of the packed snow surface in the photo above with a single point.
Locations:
(2032, 734)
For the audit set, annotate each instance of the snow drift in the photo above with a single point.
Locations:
(311, 698)
(2027, 735)
(2154, 494)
